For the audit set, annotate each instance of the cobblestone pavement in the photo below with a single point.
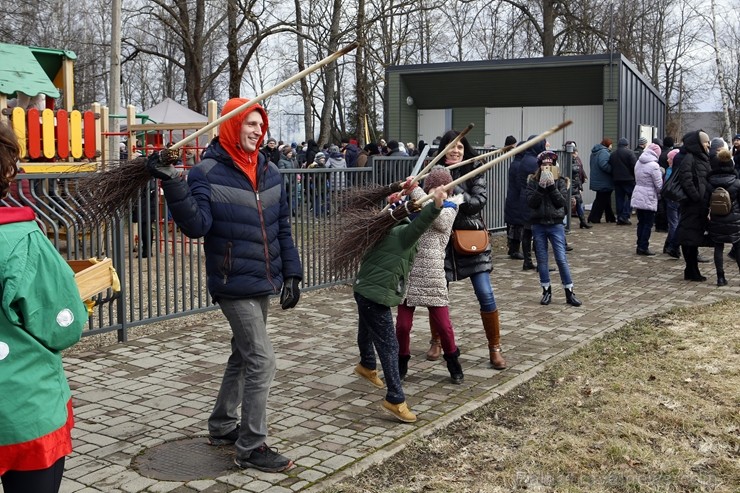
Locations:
(133, 396)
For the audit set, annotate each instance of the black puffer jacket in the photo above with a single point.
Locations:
(458, 266)
(527, 167)
(725, 229)
(692, 173)
(547, 204)
(623, 162)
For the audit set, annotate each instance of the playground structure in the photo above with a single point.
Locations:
(55, 136)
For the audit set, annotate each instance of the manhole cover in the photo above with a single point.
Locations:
(185, 460)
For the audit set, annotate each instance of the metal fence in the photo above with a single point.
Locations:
(162, 272)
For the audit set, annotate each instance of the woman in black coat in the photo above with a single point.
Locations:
(692, 174)
(476, 267)
(724, 229)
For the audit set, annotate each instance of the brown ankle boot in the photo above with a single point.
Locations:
(492, 326)
(435, 348)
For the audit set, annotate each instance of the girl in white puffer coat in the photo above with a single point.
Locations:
(645, 196)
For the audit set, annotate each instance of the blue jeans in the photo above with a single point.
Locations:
(375, 329)
(484, 291)
(672, 216)
(555, 233)
(248, 375)
(622, 195)
(645, 221)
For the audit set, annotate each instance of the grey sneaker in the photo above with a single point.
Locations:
(265, 459)
(228, 439)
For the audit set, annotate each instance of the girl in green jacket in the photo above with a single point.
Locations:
(41, 314)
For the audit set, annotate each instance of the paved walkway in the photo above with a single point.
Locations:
(134, 396)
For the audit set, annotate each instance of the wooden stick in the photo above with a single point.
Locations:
(265, 95)
(503, 157)
(436, 159)
(476, 158)
(482, 156)
(441, 153)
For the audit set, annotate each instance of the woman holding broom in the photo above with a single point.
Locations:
(476, 267)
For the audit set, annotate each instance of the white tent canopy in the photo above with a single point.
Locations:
(170, 111)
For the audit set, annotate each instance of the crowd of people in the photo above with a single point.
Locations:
(240, 204)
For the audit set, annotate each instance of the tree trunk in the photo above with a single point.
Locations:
(305, 92)
(360, 76)
(330, 76)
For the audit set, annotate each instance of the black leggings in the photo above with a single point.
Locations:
(39, 481)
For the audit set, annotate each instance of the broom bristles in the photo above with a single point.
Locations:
(103, 195)
(359, 234)
(368, 197)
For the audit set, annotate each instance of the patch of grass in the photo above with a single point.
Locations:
(652, 407)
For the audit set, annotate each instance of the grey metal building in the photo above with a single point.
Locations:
(604, 95)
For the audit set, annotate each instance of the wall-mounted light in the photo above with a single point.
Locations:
(410, 101)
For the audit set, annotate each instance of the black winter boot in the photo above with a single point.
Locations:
(403, 365)
(721, 281)
(514, 252)
(570, 298)
(546, 296)
(584, 224)
(454, 367)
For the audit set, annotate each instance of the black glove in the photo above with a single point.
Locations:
(291, 293)
(160, 165)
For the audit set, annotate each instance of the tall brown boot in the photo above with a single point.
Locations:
(492, 326)
(435, 348)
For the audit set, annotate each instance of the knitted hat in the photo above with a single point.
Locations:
(510, 140)
(623, 142)
(716, 144)
(333, 149)
(656, 140)
(703, 137)
(439, 176)
(668, 141)
(319, 155)
(547, 157)
(271, 140)
(642, 141)
(654, 148)
(372, 148)
(671, 154)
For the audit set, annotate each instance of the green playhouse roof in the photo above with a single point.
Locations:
(30, 69)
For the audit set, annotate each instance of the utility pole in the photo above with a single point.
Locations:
(115, 80)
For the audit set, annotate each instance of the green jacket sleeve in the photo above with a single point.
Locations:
(418, 226)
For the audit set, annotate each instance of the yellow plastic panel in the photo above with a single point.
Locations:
(75, 133)
(47, 133)
(18, 119)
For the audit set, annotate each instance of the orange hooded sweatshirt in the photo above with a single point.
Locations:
(230, 137)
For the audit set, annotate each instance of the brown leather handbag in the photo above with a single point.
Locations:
(470, 241)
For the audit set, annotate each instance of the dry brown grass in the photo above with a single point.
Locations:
(652, 407)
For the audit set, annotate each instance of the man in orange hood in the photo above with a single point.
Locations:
(235, 199)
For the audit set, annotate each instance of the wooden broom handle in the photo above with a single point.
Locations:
(442, 153)
(436, 159)
(265, 95)
(503, 157)
(473, 159)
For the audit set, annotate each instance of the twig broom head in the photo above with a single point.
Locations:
(361, 231)
(103, 195)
